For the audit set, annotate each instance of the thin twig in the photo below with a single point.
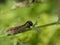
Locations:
(48, 24)
(54, 23)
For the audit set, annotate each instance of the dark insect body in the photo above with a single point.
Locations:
(19, 29)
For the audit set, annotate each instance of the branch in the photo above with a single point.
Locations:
(54, 23)
(35, 28)
(38, 27)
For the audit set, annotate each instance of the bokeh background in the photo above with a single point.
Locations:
(44, 11)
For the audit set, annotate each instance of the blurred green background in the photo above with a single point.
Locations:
(44, 12)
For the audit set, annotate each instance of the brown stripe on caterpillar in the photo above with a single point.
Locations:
(19, 29)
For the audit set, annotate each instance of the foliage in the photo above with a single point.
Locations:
(43, 13)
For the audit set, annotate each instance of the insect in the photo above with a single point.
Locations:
(19, 29)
